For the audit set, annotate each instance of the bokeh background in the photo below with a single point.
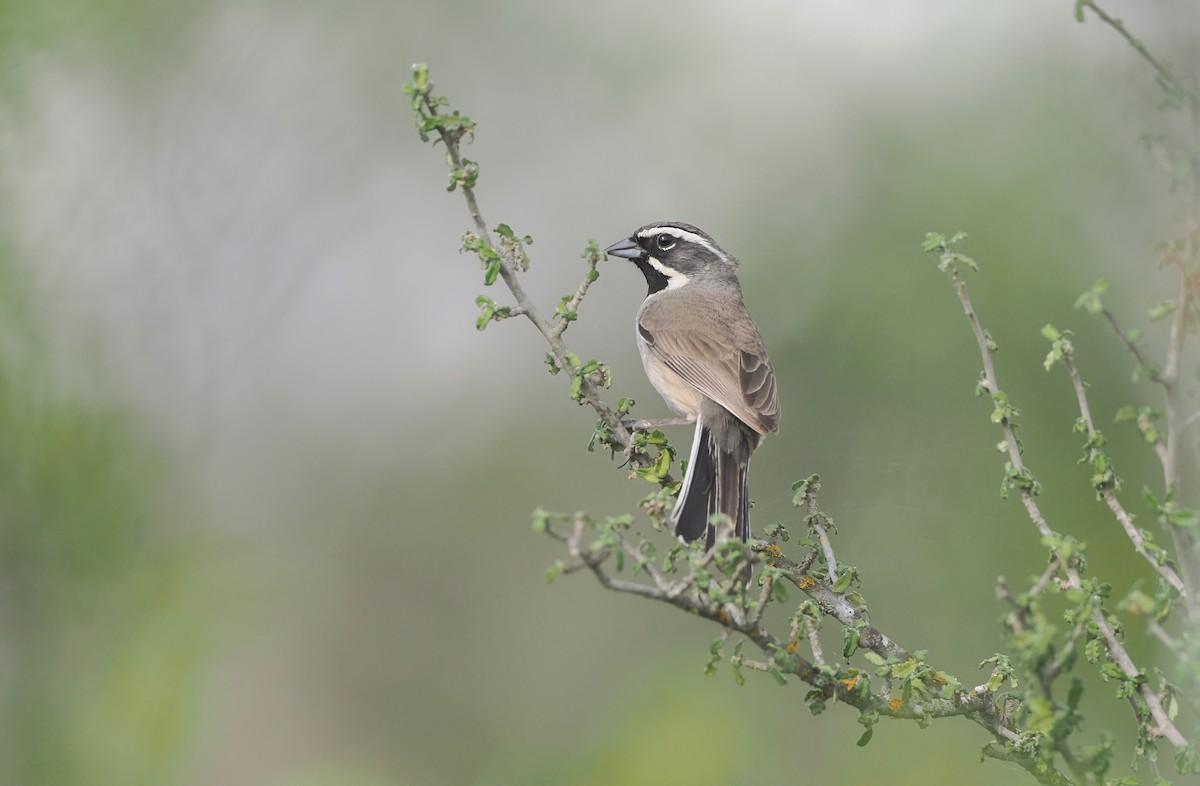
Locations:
(265, 491)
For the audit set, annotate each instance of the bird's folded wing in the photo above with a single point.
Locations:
(725, 361)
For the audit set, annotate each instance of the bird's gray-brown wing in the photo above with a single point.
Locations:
(716, 348)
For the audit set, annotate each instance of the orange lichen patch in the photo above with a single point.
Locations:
(773, 551)
(939, 679)
(793, 646)
(895, 704)
(724, 615)
(807, 582)
(849, 682)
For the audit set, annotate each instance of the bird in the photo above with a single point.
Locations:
(705, 356)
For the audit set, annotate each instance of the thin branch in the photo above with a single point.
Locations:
(814, 642)
(1110, 498)
(836, 605)
(977, 705)
(589, 391)
(1116, 649)
(764, 597)
(1047, 576)
(1191, 420)
(1143, 362)
(1167, 75)
(1010, 436)
(1161, 634)
(572, 305)
(1168, 453)
(820, 526)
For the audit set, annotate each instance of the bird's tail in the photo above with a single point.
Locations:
(715, 483)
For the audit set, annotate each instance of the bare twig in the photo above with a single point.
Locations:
(1047, 576)
(1161, 634)
(820, 526)
(814, 642)
(1143, 362)
(1167, 75)
(1191, 420)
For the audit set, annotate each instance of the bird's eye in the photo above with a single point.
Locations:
(665, 242)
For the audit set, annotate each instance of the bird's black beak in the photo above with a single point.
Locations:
(626, 249)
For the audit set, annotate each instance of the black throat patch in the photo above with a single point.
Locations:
(655, 280)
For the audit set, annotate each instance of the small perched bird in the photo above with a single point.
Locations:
(704, 355)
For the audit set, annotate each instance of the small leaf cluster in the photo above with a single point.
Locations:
(1092, 301)
(1171, 514)
(489, 312)
(1147, 419)
(454, 126)
(948, 259)
(489, 258)
(451, 128)
(512, 247)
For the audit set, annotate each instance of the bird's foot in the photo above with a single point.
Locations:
(633, 424)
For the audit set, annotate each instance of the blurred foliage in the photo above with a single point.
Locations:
(106, 618)
(104, 624)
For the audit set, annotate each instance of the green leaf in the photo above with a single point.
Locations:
(714, 651)
(1187, 761)
(487, 310)
(1110, 670)
(1074, 693)
(493, 270)
(659, 470)
(934, 241)
(1125, 414)
(1091, 301)
(555, 570)
(1161, 310)
(420, 74)
(866, 737)
(1185, 519)
(850, 641)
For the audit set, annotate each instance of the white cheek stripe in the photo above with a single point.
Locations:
(675, 279)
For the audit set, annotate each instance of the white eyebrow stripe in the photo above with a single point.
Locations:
(682, 234)
(675, 279)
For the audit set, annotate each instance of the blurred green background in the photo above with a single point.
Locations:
(265, 491)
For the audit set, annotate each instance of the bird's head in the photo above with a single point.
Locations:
(672, 254)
